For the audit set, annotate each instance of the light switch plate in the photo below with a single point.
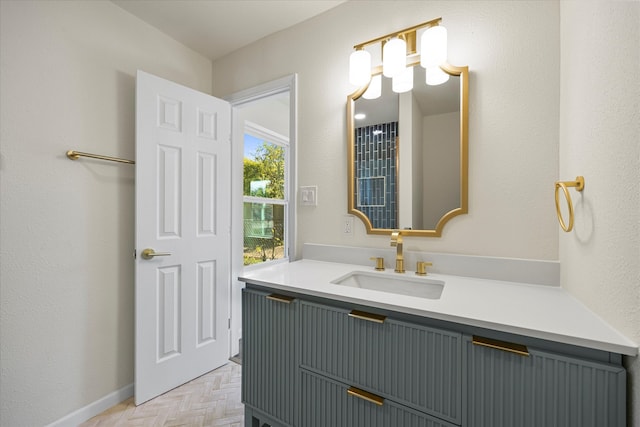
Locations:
(309, 195)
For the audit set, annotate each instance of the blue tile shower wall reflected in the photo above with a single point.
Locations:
(376, 179)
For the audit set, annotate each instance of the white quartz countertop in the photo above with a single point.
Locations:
(539, 311)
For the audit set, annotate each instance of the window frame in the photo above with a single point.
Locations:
(237, 100)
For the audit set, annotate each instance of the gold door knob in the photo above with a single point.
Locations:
(150, 253)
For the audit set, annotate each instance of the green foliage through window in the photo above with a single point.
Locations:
(264, 221)
(266, 167)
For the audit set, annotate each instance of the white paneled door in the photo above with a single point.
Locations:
(183, 193)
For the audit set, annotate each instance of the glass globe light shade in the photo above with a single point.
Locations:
(375, 88)
(394, 57)
(403, 82)
(435, 76)
(433, 50)
(359, 68)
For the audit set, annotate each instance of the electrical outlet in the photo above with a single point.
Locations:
(347, 225)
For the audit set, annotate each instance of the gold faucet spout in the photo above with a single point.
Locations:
(396, 241)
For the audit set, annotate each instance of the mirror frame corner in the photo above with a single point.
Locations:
(463, 73)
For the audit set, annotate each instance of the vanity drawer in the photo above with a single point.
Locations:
(540, 388)
(326, 402)
(414, 365)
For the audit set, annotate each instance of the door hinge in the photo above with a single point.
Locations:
(229, 324)
(135, 254)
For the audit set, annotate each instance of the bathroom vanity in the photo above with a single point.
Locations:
(320, 353)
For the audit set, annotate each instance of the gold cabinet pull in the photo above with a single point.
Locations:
(150, 253)
(365, 395)
(376, 318)
(501, 345)
(280, 298)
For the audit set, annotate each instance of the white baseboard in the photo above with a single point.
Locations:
(94, 408)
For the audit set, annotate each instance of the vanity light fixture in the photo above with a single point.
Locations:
(399, 54)
(375, 88)
(359, 67)
(394, 53)
(403, 82)
(435, 76)
(433, 47)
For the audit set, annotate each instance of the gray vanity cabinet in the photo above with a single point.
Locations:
(270, 374)
(415, 366)
(504, 389)
(313, 362)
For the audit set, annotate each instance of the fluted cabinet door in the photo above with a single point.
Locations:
(415, 365)
(269, 359)
(543, 389)
(326, 403)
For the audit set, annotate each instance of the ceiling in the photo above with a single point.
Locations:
(215, 28)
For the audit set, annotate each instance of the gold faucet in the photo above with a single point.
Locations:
(396, 240)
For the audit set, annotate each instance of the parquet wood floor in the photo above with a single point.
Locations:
(210, 400)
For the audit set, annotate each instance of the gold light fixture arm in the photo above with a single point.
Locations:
(579, 186)
(405, 34)
(74, 155)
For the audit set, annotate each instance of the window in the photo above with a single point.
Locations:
(265, 195)
(271, 105)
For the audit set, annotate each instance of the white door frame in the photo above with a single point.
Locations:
(288, 83)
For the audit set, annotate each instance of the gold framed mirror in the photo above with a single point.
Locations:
(408, 159)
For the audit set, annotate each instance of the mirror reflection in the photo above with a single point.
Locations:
(408, 167)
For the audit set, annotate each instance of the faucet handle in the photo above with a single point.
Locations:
(421, 268)
(379, 262)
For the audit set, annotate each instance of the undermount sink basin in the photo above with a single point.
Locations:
(396, 283)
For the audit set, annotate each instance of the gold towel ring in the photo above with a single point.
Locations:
(579, 185)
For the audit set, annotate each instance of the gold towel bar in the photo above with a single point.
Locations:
(579, 185)
(74, 155)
